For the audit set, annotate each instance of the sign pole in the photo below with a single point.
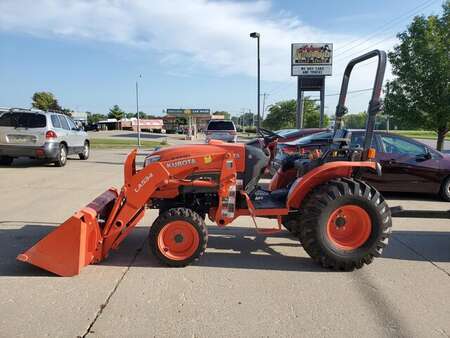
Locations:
(299, 110)
(322, 104)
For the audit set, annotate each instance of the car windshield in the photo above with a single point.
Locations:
(324, 135)
(221, 125)
(23, 120)
(285, 132)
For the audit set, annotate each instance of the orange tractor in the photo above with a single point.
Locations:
(341, 221)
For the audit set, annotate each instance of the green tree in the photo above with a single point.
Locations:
(311, 118)
(116, 113)
(282, 115)
(355, 121)
(419, 95)
(225, 114)
(93, 118)
(45, 101)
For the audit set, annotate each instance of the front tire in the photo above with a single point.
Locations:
(345, 223)
(178, 237)
(86, 151)
(445, 190)
(61, 159)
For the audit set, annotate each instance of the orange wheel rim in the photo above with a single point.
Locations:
(349, 227)
(178, 240)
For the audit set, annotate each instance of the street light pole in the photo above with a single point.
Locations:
(257, 36)
(137, 113)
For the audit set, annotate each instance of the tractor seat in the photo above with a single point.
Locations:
(264, 199)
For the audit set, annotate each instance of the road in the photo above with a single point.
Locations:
(245, 285)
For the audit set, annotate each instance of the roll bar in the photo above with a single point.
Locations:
(374, 103)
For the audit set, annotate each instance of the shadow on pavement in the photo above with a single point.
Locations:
(234, 247)
(410, 196)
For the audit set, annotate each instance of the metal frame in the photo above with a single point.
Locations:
(374, 103)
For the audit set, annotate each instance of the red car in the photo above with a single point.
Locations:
(289, 135)
(408, 165)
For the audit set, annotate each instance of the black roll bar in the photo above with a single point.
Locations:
(374, 103)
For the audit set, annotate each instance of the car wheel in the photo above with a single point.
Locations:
(445, 190)
(6, 160)
(62, 156)
(86, 151)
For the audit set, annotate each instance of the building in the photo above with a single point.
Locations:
(196, 120)
(79, 116)
(151, 125)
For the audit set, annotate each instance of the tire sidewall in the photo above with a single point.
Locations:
(445, 193)
(371, 242)
(166, 218)
(83, 155)
(59, 161)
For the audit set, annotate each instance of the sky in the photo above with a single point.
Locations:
(189, 53)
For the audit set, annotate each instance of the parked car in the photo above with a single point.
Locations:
(289, 135)
(42, 135)
(223, 130)
(408, 165)
(92, 127)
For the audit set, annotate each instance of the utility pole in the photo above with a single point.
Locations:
(256, 36)
(137, 113)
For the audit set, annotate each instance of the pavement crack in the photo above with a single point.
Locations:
(420, 255)
(113, 291)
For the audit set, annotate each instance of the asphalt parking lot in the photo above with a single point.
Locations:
(245, 285)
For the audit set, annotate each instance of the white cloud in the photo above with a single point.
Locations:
(209, 34)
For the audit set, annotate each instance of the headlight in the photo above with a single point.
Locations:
(151, 159)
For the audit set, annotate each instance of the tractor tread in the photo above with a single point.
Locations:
(174, 214)
(309, 227)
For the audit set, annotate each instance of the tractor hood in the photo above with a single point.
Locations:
(213, 148)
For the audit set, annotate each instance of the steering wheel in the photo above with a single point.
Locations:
(268, 135)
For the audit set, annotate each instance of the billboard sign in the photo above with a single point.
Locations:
(311, 59)
(188, 112)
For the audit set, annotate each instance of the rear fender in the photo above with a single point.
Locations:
(328, 171)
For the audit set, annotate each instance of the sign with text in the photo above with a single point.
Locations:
(188, 112)
(311, 59)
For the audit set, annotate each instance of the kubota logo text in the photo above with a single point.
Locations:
(181, 163)
(143, 182)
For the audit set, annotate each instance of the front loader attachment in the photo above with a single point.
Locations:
(75, 243)
(89, 235)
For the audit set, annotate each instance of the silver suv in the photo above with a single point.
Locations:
(223, 130)
(42, 135)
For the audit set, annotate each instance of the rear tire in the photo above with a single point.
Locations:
(178, 237)
(61, 160)
(6, 160)
(445, 190)
(86, 151)
(345, 223)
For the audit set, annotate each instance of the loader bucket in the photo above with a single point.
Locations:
(75, 243)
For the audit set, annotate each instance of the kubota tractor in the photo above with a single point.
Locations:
(341, 221)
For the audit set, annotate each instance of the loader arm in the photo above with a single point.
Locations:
(89, 235)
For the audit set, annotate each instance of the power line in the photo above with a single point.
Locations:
(414, 11)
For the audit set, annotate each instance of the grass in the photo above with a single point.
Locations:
(425, 134)
(108, 143)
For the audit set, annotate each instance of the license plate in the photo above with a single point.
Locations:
(20, 139)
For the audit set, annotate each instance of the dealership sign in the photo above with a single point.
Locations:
(311, 59)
